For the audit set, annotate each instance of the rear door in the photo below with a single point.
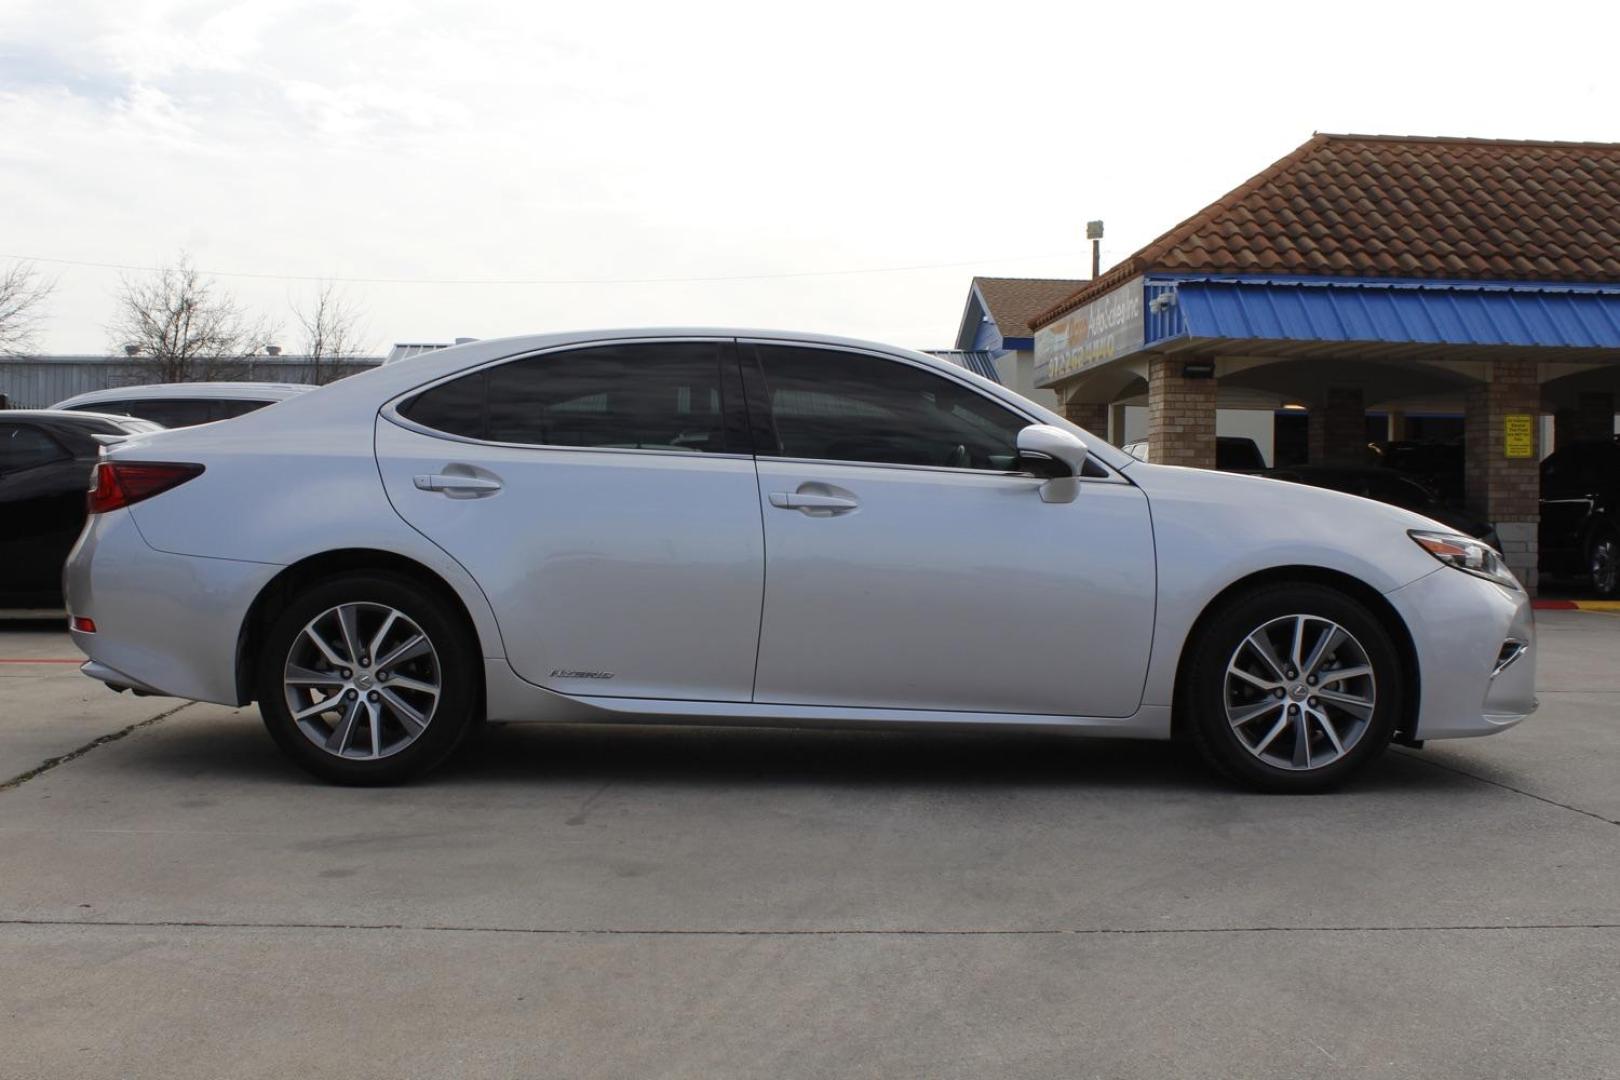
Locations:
(604, 497)
(909, 566)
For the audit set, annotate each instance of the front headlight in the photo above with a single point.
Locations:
(1468, 555)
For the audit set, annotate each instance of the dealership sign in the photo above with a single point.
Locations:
(1105, 329)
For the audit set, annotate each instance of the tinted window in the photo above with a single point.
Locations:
(112, 408)
(654, 396)
(839, 406)
(1579, 469)
(169, 412)
(23, 446)
(1232, 454)
(225, 408)
(172, 412)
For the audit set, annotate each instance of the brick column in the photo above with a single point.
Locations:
(1506, 490)
(1091, 416)
(1181, 415)
(1337, 429)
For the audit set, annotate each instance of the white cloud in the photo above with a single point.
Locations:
(452, 140)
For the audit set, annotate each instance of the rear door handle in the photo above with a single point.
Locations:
(827, 504)
(465, 487)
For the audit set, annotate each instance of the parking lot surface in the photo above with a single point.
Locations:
(177, 900)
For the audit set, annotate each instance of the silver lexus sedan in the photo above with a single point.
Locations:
(735, 527)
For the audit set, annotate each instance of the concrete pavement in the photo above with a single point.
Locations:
(645, 902)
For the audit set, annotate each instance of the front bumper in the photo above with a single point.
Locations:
(1476, 651)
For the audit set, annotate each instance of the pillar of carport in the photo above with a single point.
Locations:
(1181, 414)
(1336, 431)
(1506, 490)
(1091, 416)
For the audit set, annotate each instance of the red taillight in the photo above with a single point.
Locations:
(118, 483)
(83, 624)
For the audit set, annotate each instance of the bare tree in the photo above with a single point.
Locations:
(23, 293)
(178, 326)
(333, 332)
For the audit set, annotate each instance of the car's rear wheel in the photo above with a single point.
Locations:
(1292, 688)
(367, 679)
(1603, 564)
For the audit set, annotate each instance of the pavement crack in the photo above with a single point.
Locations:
(898, 932)
(73, 755)
(585, 807)
(1505, 787)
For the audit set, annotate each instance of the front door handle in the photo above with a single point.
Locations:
(457, 486)
(812, 503)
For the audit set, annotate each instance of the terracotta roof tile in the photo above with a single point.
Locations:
(1370, 205)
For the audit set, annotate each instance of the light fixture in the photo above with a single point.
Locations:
(1294, 406)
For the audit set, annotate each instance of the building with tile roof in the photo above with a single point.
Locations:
(996, 320)
(1370, 275)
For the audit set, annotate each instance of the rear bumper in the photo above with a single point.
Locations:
(1476, 651)
(165, 624)
(116, 680)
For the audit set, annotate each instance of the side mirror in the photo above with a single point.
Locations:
(1055, 454)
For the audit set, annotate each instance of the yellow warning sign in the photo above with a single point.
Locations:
(1519, 435)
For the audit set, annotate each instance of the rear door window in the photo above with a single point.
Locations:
(640, 396)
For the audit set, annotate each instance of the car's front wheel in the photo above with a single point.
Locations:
(367, 679)
(1292, 688)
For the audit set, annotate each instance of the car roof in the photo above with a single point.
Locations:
(208, 391)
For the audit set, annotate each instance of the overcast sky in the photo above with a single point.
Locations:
(464, 142)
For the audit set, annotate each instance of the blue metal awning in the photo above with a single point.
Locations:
(1363, 310)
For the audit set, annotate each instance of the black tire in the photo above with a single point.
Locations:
(453, 661)
(1206, 691)
(1603, 563)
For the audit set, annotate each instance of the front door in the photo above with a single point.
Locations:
(910, 567)
(606, 505)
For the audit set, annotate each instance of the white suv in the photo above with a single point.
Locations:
(177, 405)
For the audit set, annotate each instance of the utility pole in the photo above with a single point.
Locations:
(1094, 232)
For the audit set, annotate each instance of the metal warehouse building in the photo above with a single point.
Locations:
(1366, 277)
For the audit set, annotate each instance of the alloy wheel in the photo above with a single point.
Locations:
(1299, 692)
(362, 681)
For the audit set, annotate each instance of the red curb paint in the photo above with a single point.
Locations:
(1554, 605)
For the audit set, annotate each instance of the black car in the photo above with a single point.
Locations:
(1438, 466)
(46, 457)
(1580, 514)
(1388, 486)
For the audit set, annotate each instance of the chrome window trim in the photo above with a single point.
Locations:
(553, 448)
(1111, 478)
(390, 408)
